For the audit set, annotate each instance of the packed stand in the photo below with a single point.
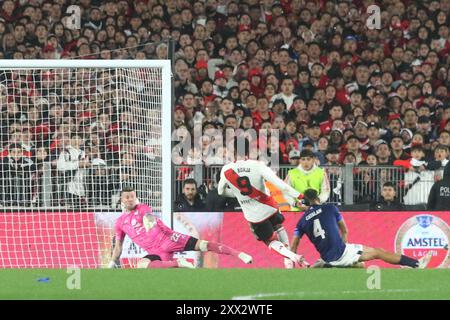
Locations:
(311, 69)
(69, 137)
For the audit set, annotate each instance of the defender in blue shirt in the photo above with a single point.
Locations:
(324, 226)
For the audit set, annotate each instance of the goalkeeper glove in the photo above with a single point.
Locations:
(113, 265)
(149, 222)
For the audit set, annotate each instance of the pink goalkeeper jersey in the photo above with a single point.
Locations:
(131, 224)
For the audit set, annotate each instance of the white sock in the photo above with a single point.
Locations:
(281, 249)
(283, 236)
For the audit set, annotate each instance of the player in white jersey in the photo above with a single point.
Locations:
(245, 180)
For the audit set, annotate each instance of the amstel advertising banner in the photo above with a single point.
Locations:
(85, 239)
(409, 233)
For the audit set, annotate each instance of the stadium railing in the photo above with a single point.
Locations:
(102, 192)
(365, 182)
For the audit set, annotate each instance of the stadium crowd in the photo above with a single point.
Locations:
(315, 71)
(312, 69)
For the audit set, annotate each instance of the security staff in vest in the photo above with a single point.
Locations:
(308, 175)
(439, 198)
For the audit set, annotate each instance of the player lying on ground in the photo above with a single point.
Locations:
(321, 224)
(245, 180)
(160, 242)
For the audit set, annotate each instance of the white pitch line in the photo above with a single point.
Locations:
(303, 293)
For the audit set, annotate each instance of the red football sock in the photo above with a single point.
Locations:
(163, 264)
(222, 249)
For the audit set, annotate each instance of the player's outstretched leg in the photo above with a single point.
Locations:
(158, 264)
(280, 248)
(284, 238)
(203, 245)
(394, 258)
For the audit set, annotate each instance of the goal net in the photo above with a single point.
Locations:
(73, 134)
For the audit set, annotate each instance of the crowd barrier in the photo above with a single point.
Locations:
(349, 184)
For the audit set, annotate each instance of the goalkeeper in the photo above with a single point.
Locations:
(160, 242)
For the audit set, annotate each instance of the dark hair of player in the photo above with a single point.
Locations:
(311, 195)
(127, 189)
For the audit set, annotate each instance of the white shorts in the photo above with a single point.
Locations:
(350, 256)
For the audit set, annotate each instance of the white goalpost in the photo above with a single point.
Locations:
(73, 134)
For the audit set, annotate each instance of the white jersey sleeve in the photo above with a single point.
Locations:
(286, 189)
(223, 189)
(246, 181)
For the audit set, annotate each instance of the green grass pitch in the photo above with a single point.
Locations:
(205, 284)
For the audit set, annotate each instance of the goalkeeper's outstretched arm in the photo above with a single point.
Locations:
(116, 254)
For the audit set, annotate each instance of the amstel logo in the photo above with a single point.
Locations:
(423, 233)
